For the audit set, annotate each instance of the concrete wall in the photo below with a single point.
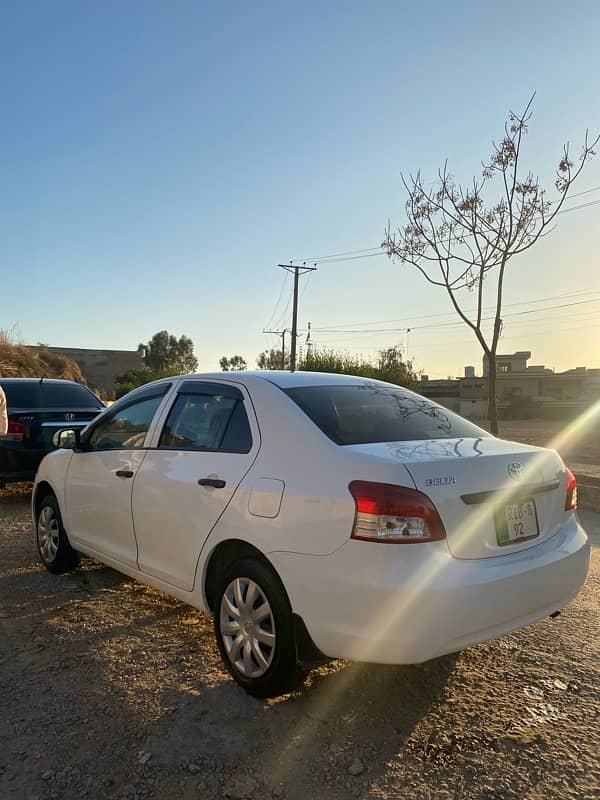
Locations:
(452, 403)
(517, 385)
(100, 367)
(474, 409)
(516, 362)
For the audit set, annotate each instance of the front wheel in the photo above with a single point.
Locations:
(254, 629)
(54, 547)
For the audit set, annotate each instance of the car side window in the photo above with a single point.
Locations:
(126, 429)
(213, 422)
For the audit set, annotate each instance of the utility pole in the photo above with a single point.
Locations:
(282, 334)
(297, 272)
(309, 344)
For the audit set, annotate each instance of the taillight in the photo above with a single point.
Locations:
(571, 501)
(16, 431)
(388, 513)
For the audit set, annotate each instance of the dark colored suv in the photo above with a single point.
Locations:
(37, 409)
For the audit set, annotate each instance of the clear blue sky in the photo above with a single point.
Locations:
(158, 159)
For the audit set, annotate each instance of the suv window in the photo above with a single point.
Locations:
(126, 428)
(207, 422)
(31, 395)
(367, 413)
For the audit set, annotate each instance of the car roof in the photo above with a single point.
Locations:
(52, 381)
(285, 380)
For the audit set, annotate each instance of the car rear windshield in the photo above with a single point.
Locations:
(368, 413)
(48, 395)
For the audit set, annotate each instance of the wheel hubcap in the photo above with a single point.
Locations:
(247, 627)
(48, 533)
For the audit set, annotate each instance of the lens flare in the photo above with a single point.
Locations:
(400, 609)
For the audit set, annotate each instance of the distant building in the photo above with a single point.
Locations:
(446, 392)
(100, 367)
(520, 389)
(517, 362)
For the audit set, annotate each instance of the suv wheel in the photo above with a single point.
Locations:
(254, 629)
(54, 548)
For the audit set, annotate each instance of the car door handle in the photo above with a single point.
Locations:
(124, 473)
(216, 483)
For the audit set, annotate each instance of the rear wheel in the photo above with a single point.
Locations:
(54, 548)
(254, 629)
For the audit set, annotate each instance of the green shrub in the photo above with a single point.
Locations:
(389, 367)
(138, 377)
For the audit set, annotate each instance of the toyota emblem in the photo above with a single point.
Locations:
(515, 470)
(69, 417)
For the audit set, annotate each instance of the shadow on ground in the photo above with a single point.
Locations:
(114, 690)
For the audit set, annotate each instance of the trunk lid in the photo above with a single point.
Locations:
(494, 497)
(41, 423)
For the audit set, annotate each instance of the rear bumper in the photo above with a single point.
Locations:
(19, 463)
(399, 604)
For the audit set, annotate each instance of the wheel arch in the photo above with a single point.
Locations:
(224, 553)
(307, 653)
(41, 490)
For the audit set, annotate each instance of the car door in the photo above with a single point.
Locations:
(101, 476)
(207, 445)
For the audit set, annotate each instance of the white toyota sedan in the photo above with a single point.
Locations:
(315, 516)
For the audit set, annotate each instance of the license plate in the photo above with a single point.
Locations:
(517, 522)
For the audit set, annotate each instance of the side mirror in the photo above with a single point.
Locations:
(66, 439)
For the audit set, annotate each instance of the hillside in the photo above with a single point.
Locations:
(18, 361)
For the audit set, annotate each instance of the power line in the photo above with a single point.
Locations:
(307, 281)
(585, 191)
(334, 258)
(353, 258)
(334, 328)
(509, 337)
(568, 316)
(553, 330)
(462, 340)
(281, 320)
(459, 323)
(283, 282)
(521, 326)
(455, 323)
(576, 208)
(335, 255)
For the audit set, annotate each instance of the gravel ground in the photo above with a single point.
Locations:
(581, 451)
(113, 690)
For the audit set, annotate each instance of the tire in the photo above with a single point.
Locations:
(52, 542)
(255, 634)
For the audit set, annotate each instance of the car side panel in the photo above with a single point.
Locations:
(315, 511)
(402, 604)
(53, 471)
(98, 502)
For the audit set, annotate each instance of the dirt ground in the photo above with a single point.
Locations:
(112, 690)
(581, 451)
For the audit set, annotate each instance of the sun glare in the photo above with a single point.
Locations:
(398, 611)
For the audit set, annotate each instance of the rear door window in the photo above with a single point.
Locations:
(367, 413)
(207, 419)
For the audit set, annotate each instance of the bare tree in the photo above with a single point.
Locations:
(459, 240)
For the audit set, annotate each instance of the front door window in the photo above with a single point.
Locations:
(126, 429)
